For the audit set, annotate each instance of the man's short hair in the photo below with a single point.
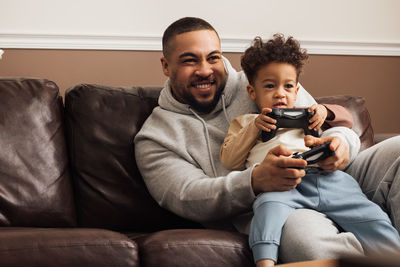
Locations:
(278, 49)
(183, 25)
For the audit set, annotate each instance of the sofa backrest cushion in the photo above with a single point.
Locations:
(35, 182)
(110, 193)
(362, 120)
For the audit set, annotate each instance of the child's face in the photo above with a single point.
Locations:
(275, 86)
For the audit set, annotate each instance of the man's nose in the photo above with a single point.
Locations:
(204, 69)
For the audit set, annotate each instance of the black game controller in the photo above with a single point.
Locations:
(316, 154)
(290, 118)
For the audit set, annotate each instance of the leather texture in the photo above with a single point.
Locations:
(101, 123)
(65, 247)
(181, 248)
(35, 183)
(68, 176)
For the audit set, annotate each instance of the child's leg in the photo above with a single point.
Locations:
(266, 229)
(270, 213)
(344, 203)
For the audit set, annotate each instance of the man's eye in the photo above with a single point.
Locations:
(189, 60)
(214, 58)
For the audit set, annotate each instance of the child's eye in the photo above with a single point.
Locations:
(289, 85)
(269, 86)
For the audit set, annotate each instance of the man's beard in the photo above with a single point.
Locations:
(203, 107)
(187, 98)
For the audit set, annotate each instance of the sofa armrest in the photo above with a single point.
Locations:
(382, 136)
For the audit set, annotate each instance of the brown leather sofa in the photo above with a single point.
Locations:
(70, 190)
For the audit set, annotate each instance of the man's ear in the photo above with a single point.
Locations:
(251, 92)
(164, 66)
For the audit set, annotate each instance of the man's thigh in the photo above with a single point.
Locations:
(377, 170)
(310, 235)
(371, 165)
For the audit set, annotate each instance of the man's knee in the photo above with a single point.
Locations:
(390, 147)
(310, 235)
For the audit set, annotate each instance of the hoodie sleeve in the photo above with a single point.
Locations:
(304, 99)
(348, 136)
(176, 180)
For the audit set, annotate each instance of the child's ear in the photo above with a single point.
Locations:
(251, 92)
(297, 88)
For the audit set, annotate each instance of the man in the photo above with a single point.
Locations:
(177, 149)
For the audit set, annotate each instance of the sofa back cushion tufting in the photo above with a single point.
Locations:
(110, 193)
(35, 183)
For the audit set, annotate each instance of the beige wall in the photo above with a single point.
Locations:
(334, 20)
(377, 79)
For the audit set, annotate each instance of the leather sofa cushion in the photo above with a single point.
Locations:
(35, 184)
(66, 247)
(198, 247)
(110, 193)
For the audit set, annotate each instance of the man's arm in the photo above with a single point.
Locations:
(349, 137)
(340, 138)
(183, 188)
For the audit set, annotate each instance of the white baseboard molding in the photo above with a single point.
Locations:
(153, 43)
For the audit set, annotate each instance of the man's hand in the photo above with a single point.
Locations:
(276, 172)
(336, 162)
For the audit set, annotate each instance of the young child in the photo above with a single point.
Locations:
(273, 69)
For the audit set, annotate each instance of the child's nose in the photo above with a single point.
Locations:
(280, 92)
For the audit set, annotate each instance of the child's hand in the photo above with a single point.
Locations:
(263, 122)
(319, 117)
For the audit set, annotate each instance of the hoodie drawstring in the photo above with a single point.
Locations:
(207, 134)
(207, 140)
(224, 108)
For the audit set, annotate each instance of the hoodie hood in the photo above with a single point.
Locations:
(168, 102)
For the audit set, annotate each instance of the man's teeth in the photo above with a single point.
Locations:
(203, 85)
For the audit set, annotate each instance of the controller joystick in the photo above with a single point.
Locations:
(290, 118)
(315, 154)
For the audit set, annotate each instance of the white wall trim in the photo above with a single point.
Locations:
(153, 43)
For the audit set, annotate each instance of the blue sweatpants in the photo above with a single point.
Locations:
(335, 194)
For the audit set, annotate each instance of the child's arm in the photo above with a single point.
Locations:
(341, 116)
(242, 136)
(331, 114)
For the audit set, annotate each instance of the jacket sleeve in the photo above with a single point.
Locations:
(242, 136)
(342, 117)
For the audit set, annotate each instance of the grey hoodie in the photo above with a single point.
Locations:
(177, 152)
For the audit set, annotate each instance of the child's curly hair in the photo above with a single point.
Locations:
(277, 49)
